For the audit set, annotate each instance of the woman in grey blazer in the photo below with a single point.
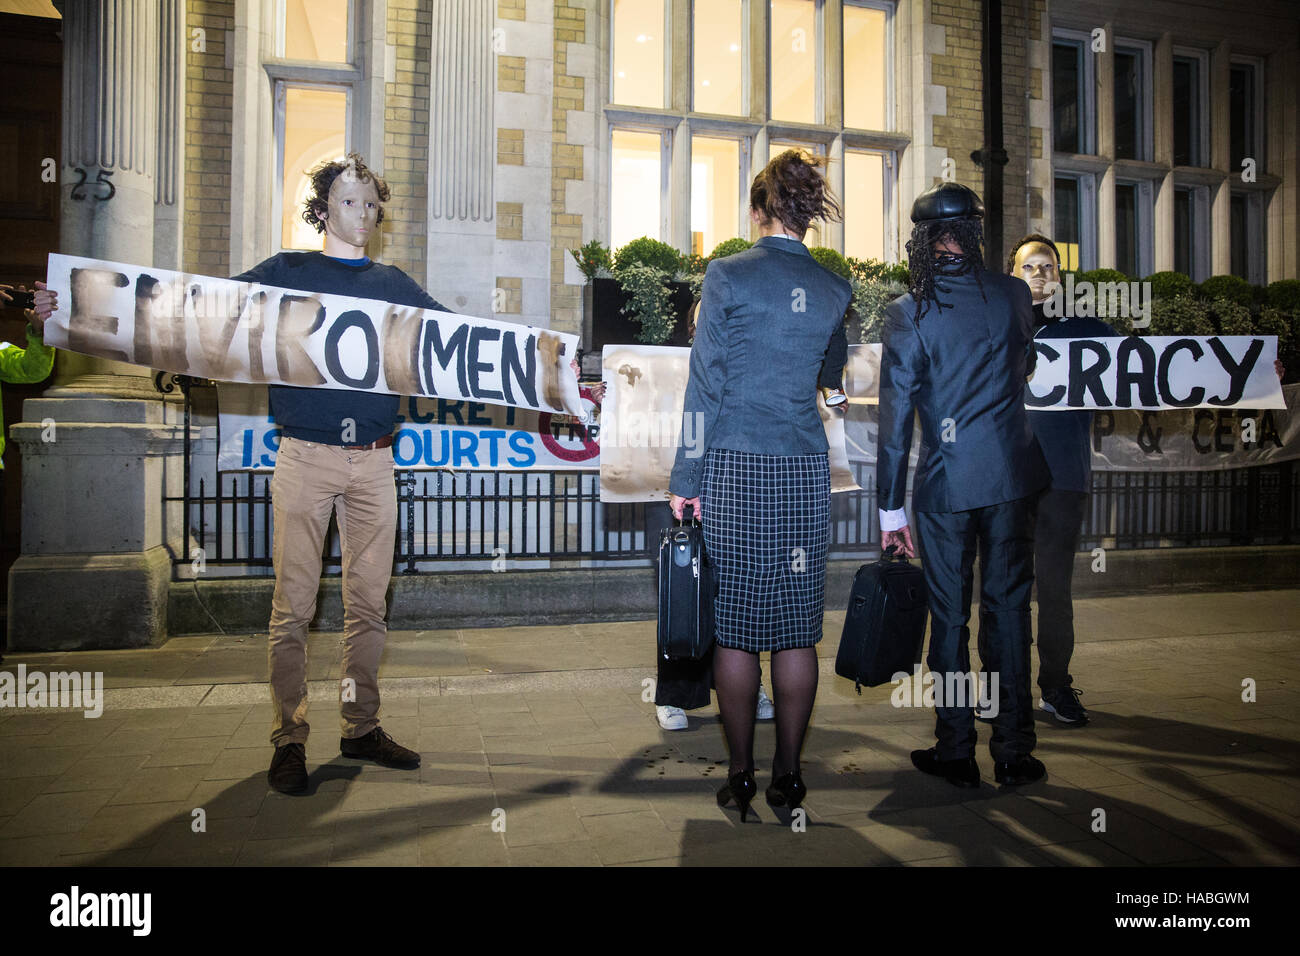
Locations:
(753, 465)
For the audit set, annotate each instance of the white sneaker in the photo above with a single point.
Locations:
(765, 710)
(671, 718)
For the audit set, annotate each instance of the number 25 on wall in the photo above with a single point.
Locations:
(79, 191)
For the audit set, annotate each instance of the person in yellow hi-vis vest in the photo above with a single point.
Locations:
(21, 365)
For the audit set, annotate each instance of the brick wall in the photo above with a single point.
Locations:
(567, 162)
(209, 92)
(406, 136)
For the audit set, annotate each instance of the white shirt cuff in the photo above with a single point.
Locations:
(892, 520)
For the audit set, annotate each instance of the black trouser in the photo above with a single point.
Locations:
(1056, 539)
(1002, 535)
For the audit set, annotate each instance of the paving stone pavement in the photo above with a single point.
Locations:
(539, 749)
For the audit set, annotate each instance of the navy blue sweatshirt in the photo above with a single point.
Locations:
(1066, 437)
(320, 414)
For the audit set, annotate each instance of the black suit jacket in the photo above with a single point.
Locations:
(963, 368)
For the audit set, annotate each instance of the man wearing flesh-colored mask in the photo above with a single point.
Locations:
(1065, 438)
(335, 456)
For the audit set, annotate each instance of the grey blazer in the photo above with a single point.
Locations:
(963, 369)
(763, 330)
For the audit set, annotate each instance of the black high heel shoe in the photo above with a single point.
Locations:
(788, 790)
(741, 788)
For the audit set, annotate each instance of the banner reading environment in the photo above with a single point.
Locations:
(246, 332)
(431, 433)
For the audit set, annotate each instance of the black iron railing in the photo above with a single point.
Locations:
(473, 516)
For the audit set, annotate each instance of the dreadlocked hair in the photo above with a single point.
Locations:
(924, 265)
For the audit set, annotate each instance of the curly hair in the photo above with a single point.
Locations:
(792, 190)
(316, 207)
(924, 265)
(1027, 240)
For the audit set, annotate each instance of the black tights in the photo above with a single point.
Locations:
(794, 686)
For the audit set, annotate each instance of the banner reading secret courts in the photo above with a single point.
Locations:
(431, 433)
(246, 332)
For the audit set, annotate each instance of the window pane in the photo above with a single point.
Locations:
(314, 124)
(1066, 89)
(793, 66)
(719, 57)
(775, 149)
(1240, 237)
(639, 52)
(1068, 236)
(1241, 107)
(637, 187)
(1126, 236)
(1183, 232)
(1128, 113)
(864, 205)
(1187, 116)
(316, 30)
(715, 192)
(865, 84)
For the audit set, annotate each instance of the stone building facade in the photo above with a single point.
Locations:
(494, 122)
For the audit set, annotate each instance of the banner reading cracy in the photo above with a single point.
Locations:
(431, 433)
(1185, 439)
(246, 332)
(1131, 372)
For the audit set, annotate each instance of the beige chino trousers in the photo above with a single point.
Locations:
(312, 480)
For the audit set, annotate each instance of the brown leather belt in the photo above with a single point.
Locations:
(373, 446)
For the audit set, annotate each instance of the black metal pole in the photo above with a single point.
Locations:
(992, 156)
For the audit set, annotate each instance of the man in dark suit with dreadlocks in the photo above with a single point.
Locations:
(958, 348)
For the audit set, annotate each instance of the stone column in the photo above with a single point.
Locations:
(100, 446)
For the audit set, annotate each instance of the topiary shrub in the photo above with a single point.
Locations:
(1097, 276)
(649, 301)
(869, 300)
(648, 252)
(1273, 321)
(593, 260)
(729, 247)
(1284, 294)
(1230, 318)
(1166, 285)
(1233, 288)
(873, 270)
(832, 261)
(1181, 315)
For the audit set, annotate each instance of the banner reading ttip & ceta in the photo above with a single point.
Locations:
(234, 331)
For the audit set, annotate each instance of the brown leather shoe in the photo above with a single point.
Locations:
(380, 748)
(288, 773)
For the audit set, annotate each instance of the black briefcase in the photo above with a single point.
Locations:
(687, 589)
(885, 625)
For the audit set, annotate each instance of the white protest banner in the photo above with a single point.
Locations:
(1156, 372)
(245, 332)
(431, 433)
(642, 421)
(1201, 439)
(1159, 372)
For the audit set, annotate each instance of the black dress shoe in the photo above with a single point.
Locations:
(380, 748)
(741, 788)
(788, 791)
(288, 773)
(964, 772)
(1026, 769)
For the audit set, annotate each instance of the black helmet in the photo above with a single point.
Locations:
(947, 201)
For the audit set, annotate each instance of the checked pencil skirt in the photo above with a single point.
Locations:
(766, 529)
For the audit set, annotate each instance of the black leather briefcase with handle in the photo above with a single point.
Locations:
(885, 625)
(687, 589)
